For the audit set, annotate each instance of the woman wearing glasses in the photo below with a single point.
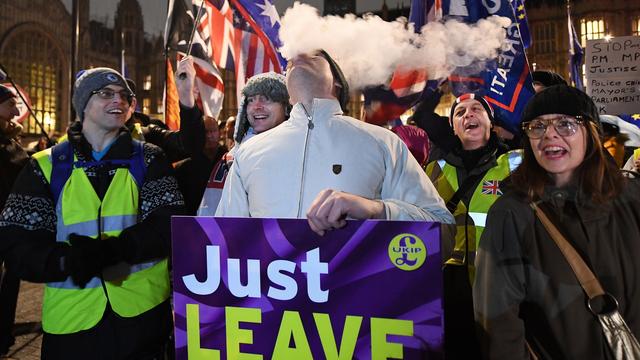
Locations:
(526, 297)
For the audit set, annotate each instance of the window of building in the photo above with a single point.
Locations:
(229, 104)
(35, 64)
(146, 105)
(160, 105)
(635, 27)
(591, 30)
(544, 38)
(146, 85)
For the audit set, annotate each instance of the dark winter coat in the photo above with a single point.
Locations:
(12, 159)
(526, 291)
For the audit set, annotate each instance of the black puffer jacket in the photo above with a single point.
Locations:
(525, 289)
(12, 160)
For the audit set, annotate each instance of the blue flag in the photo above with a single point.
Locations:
(523, 23)
(506, 82)
(631, 118)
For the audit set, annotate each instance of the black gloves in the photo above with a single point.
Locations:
(88, 256)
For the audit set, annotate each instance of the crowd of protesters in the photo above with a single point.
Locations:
(90, 216)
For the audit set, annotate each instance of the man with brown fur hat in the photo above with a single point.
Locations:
(264, 105)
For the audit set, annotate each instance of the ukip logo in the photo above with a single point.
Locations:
(407, 252)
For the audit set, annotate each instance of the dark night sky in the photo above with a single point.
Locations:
(155, 11)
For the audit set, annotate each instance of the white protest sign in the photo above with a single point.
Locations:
(612, 68)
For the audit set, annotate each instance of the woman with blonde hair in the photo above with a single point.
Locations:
(527, 298)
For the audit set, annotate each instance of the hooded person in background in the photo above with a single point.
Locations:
(12, 159)
(90, 218)
(264, 105)
(469, 180)
(325, 166)
(416, 140)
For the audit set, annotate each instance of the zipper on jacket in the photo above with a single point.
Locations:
(304, 157)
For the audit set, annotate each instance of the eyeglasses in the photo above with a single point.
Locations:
(108, 94)
(565, 126)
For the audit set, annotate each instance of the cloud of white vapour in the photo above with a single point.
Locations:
(369, 49)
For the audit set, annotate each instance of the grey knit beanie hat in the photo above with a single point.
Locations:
(270, 84)
(91, 80)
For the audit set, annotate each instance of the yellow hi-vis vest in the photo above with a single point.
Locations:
(471, 222)
(130, 289)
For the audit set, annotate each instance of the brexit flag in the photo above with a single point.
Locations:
(506, 82)
(209, 88)
(243, 35)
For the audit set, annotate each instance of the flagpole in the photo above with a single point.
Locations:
(574, 73)
(193, 32)
(122, 58)
(195, 25)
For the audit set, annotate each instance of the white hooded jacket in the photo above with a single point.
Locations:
(280, 172)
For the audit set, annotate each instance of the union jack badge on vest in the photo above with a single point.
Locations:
(491, 187)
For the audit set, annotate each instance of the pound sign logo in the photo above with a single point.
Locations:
(407, 252)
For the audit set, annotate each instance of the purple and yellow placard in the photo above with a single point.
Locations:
(273, 289)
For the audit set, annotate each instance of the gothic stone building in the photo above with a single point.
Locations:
(35, 48)
(592, 19)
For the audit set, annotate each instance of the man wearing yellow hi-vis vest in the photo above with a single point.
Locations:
(90, 218)
(469, 179)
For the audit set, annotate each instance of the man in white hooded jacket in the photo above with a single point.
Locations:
(326, 166)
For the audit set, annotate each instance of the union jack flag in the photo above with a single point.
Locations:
(491, 187)
(243, 36)
(209, 87)
(384, 103)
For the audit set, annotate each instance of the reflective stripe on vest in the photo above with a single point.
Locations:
(515, 159)
(479, 219)
(90, 228)
(130, 290)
